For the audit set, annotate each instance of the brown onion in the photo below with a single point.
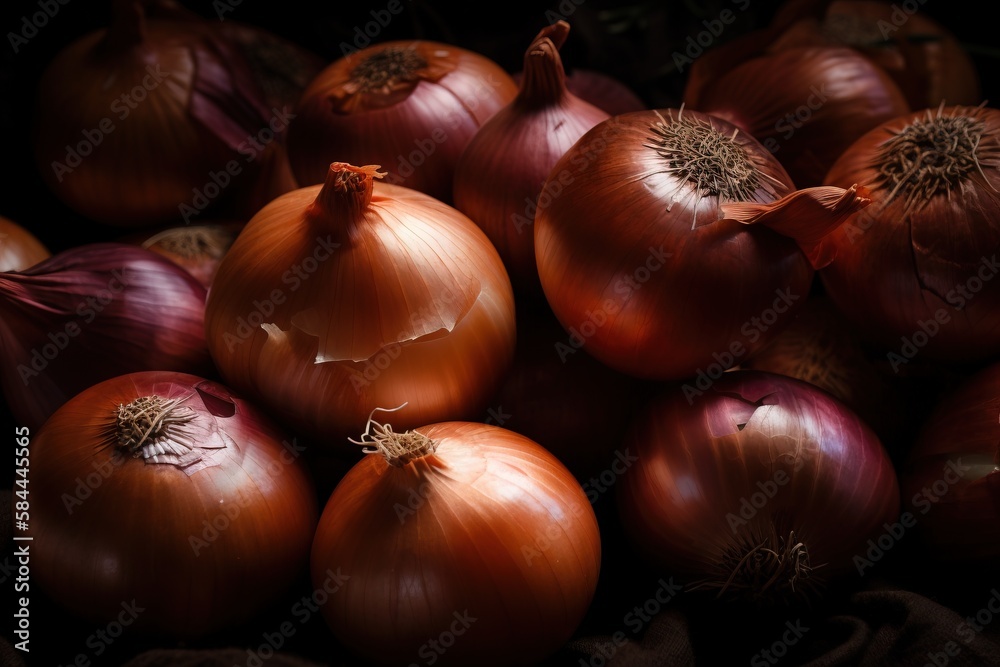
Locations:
(339, 298)
(916, 273)
(409, 106)
(501, 172)
(91, 313)
(197, 249)
(134, 120)
(166, 494)
(662, 239)
(461, 528)
(19, 248)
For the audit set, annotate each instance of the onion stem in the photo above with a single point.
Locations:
(397, 448)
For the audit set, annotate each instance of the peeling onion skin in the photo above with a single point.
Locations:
(605, 225)
(325, 317)
(899, 265)
(831, 484)
(142, 533)
(951, 476)
(470, 545)
(432, 115)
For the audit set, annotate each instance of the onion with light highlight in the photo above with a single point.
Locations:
(339, 298)
(166, 491)
(457, 527)
(761, 489)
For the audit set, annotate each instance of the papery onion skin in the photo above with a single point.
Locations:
(91, 313)
(820, 475)
(951, 476)
(198, 249)
(490, 526)
(915, 272)
(133, 120)
(806, 105)
(415, 128)
(604, 91)
(653, 278)
(328, 306)
(502, 170)
(198, 551)
(924, 58)
(19, 248)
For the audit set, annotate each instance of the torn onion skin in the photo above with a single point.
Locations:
(916, 271)
(951, 476)
(168, 490)
(457, 525)
(760, 489)
(339, 298)
(659, 256)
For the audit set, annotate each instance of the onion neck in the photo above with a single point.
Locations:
(344, 198)
(150, 424)
(544, 79)
(398, 449)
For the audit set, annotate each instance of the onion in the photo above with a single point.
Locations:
(91, 313)
(339, 298)
(951, 477)
(607, 93)
(134, 120)
(562, 398)
(501, 172)
(806, 105)
(818, 346)
(19, 248)
(460, 528)
(198, 249)
(762, 489)
(916, 272)
(166, 491)
(410, 106)
(663, 242)
(924, 58)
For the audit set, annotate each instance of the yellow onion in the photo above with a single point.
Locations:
(19, 248)
(339, 298)
(501, 172)
(197, 249)
(461, 528)
(410, 106)
(136, 120)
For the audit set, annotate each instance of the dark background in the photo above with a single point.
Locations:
(632, 42)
